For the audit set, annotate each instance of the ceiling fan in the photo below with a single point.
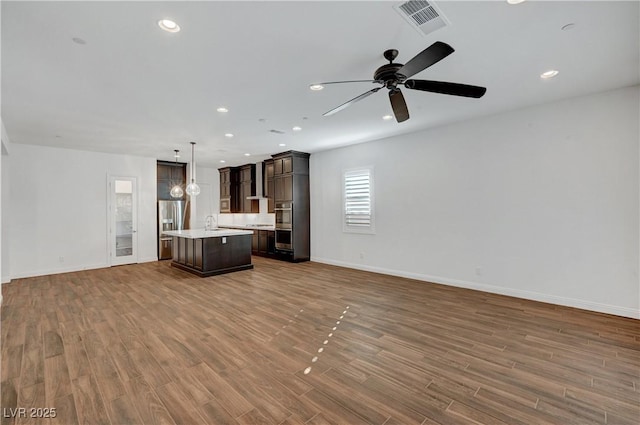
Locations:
(392, 75)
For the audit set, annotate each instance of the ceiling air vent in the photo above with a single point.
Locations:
(422, 15)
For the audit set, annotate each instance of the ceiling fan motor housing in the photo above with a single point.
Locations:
(388, 74)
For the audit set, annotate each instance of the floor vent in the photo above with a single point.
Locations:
(422, 15)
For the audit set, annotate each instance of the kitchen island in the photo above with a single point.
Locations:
(210, 252)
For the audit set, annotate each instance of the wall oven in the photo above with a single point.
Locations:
(283, 239)
(284, 215)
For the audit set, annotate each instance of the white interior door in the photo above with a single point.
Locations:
(123, 216)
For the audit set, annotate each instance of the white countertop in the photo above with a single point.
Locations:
(201, 233)
(249, 226)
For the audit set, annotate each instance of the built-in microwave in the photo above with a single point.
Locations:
(284, 215)
(284, 240)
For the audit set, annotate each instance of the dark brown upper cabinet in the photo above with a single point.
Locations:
(283, 185)
(236, 184)
(283, 165)
(228, 190)
(169, 174)
(248, 188)
(269, 184)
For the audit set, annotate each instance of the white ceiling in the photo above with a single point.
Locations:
(135, 89)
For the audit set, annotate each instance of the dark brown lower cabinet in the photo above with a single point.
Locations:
(271, 242)
(189, 252)
(263, 243)
(255, 242)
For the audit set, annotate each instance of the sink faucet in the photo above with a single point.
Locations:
(209, 222)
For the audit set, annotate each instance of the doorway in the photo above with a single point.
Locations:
(123, 221)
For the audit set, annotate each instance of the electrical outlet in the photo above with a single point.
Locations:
(479, 271)
(224, 239)
(61, 259)
(362, 255)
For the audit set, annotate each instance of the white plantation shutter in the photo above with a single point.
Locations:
(358, 200)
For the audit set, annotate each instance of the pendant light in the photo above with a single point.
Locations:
(176, 190)
(192, 188)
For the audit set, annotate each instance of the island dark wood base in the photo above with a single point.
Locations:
(212, 255)
(212, 272)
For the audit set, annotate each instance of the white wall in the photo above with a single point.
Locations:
(540, 203)
(5, 272)
(58, 203)
(4, 205)
(208, 201)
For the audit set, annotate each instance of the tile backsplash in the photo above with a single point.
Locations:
(242, 219)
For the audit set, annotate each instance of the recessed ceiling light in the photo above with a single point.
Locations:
(168, 25)
(387, 117)
(282, 144)
(229, 135)
(222, 109)
(296, 128)
(515, 1)
(222, 161)
(548, 74)
(316, 87)
(247, 154)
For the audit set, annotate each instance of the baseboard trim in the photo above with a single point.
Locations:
(72, 269)
(148, 259)
(57, 271)
(517, 293)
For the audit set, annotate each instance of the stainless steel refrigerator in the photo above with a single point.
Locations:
(172, 215)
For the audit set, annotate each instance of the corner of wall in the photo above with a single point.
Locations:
(4, 138)
(4, 185)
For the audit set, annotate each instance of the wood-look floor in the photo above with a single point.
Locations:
(147, 344)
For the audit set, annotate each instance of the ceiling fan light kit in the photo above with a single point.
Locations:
(393, 75)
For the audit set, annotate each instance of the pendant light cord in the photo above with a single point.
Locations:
(193, 164)
(193, 189)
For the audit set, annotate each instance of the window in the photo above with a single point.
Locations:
(358, 200)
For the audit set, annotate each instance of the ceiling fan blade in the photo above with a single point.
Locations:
(398, 105)
(432, 54)
(352, 101)
(446, 88)
(350, 81)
